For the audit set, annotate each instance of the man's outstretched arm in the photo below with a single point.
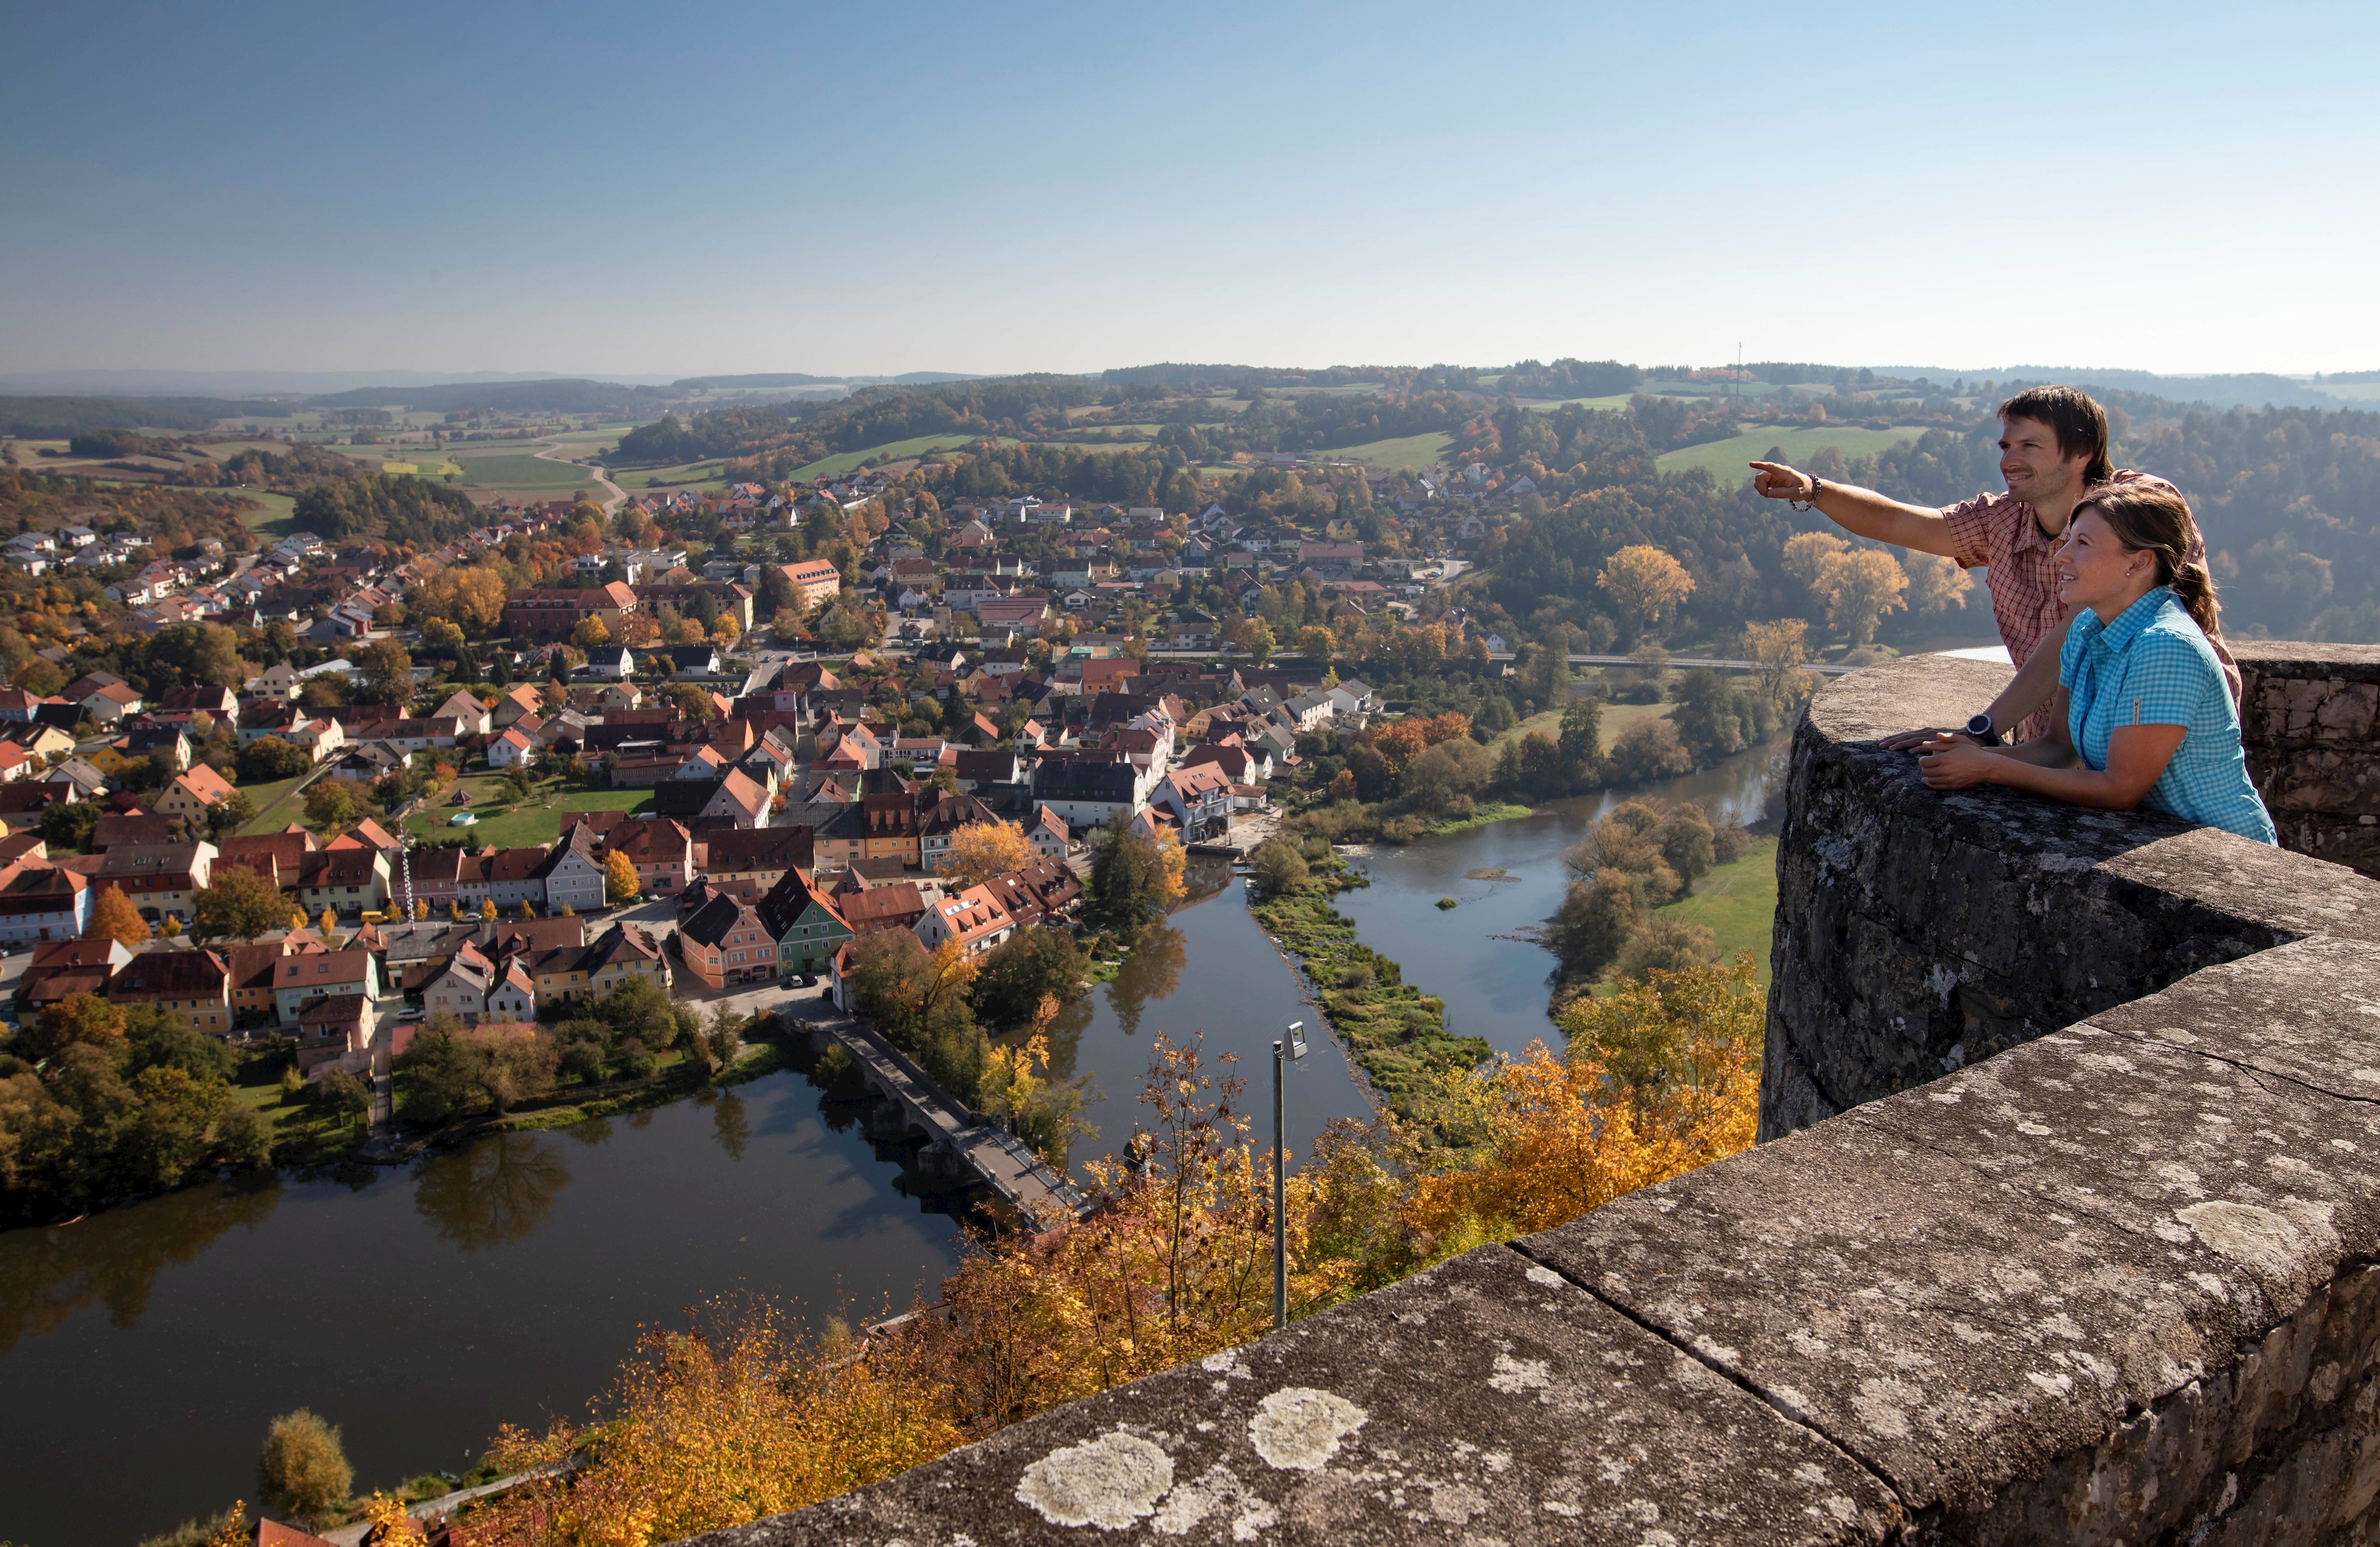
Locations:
(1860, 512)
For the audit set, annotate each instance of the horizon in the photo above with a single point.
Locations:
(456, 189)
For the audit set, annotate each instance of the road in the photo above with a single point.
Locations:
(613, 501)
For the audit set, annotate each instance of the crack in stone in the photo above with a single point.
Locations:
(1735, 1378)
(2254, 1071)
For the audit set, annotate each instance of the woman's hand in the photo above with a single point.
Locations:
(1949, 763)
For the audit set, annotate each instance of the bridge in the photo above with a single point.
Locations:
(944, 1136)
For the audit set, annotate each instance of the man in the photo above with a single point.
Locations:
(2053, 449)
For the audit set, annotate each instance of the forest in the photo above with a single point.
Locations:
(781, 437)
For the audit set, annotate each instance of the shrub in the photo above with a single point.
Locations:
(1668, 945)
(303, 1468)
(1278, 866)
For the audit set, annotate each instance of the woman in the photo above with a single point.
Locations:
(2143, 713)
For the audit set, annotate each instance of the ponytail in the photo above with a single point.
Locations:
(2153, 517)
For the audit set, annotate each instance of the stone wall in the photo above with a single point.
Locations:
(2309, 715)
(2068, 1236)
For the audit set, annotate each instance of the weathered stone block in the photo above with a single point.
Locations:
(1487, 1400)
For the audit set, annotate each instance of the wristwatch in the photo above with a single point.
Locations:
(1980, 727)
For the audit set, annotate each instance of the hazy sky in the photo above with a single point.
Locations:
(689, 189)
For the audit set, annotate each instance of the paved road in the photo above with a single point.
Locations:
(613, 501)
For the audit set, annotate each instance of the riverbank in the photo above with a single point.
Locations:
(1394, 1033)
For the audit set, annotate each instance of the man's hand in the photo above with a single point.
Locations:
(1916, 741)
(1779, 482)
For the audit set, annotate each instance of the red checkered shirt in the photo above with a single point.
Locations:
(1997, 534)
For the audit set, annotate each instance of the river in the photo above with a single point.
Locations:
(143, 1350)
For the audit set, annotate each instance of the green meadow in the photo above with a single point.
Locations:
(1407, 453)
(1725, 460)
(890, 451)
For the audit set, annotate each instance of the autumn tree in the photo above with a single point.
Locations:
(692, 702)
(981, 850)
(329, 923)
(591, 631)
(114, 916)
(1860, 588)
(237, 903)
(1777, 651)
(619, 883)
(1646, 584)
(387, 672)
(303, 1468)
(1936, 584)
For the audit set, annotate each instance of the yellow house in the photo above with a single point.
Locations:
(193, 984)
(192, 791)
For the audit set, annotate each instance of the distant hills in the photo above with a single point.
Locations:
(2254, 391)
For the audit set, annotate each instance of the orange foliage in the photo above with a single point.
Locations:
(1408, 739)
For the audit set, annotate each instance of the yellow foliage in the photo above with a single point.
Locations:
(1176, 861)
(712, 1428)
(392, 1527)
(981, 850)
(1645, 583)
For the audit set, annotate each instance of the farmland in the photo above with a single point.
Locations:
(512, 469)
(1407, 453)
(1724, 460)
(890, 451)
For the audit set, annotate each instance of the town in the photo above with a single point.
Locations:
(782, 807)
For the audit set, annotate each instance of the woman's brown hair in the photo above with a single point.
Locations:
(2155, 518)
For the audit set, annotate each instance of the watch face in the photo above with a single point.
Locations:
(1979, 725)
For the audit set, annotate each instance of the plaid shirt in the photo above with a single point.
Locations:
(2152, 666)
(1997, 534)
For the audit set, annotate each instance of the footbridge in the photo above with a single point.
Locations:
(945, 1135)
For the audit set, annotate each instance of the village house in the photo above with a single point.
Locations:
(161, 879)
(193, 791)
(974, 918)
(344, 880)
(334, 1035)
(39, 902)
(194, 986)
(334, 973)
(725, 945)
(805, 922)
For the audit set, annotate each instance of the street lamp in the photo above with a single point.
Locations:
(1291, 1046)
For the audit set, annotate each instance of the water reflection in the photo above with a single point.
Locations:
(1152, 971)
(114, 1258)
(1485, 958)
(143, 1350)
(492, 1191)
(730, 1124)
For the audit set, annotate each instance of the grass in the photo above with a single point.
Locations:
(274, 808)
(1616, 720)
(301, 1133)
(685, 475)
(1481, 815)
(890, 451)
(535, 822)
(1408, 453)
(1737, 902)
(1394, 1033)
(277, 516)
(1724, 460)
(1617, 400)
(420, 470)
(520, 470)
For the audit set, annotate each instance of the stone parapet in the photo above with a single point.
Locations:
(2067, 1235)
(2309, 715)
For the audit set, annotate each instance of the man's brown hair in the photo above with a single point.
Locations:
(2079, 424)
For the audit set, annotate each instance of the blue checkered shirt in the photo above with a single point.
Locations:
(2153, 666)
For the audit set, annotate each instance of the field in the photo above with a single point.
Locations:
(1616, 720)
(277, 518)
(271, 815)
(1408, 453)
(685, 475)
(1547, 405)
(844, 462)
(1724, 460)
(504, 825)
(1737, 902)
(520, 470)
(419, 469)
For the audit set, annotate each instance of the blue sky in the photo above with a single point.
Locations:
(685, 189)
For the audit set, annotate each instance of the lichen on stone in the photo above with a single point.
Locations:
(1109, 1483)
(1298, 1428)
